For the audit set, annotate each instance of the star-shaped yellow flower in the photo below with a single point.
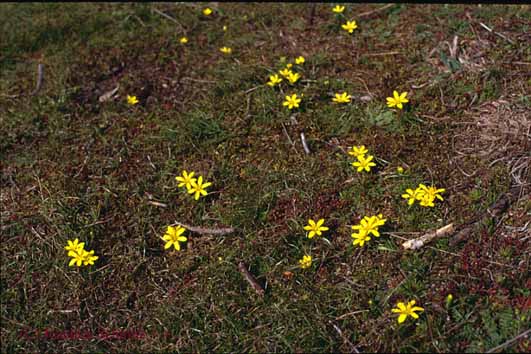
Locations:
(198, 187)
(274, 80)
(300, 60)
(186, 179)
(364, 163)
(293, 77)
(173, 236)
(315, 228)
(207, 11)
(89, 257)
(350, 26)
(183, 40)
(132, 100)
(412, 195)
(75, 246)
(338, 9)
(406, 310)
(369, 225)
(358, 151)
(342, 98)
(225, 50)
(305, 262)
(397, 100)
(292, 101)
(285, 72)
(428, 195)
(360, 239)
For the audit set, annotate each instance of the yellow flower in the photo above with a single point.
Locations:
(75, 246)
(305, 262)
(358, 151)
(412, 195)
(338, 9)
(342, 98)
(173, 237)
(400, 170)
(300, 60)
(183, 40)
(186, 179)
(225, 28)
(292, 101)
(315, 228)
(360, 238)
(397, 100)
(369, 225)
(289, 66)
(286, 72)
(429, 194)
(293, 77)
(225, 50)
(364, 163)
(406, 310)
(132, 100)
(449, 299)
(207, 11)
(350, 26)
(273, 80)
(77, 258)
(198, 187)
(89, 258)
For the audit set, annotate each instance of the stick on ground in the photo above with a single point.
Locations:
(428, 237)
(250, 279)
(206, 231)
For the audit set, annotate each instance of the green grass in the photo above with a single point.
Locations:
(74, 167)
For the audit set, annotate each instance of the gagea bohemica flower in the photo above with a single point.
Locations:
(183, 40)
(186, 179)
(315, 228)
(198, 187)
(342, 98)
(300, 60)
(338, 9)
(305, 262)
(425, 195)
(225, 50)
(406, 310)
(367, 226)
(350, 26)
(285, 72)
(274, 80)
(292, 101)
(79, 255)
(173, 236)
(364, 163)
(207, 11)
(132, 100)
(358, 151)
(293, 77)
(397, 100)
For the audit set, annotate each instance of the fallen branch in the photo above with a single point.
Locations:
(250, 279)
(368, 13)
(40, 75)
(206, 231)
(510, 341)
(304, 144)
(428, 237)
(155, 203)
(496, 33)
(109, 94)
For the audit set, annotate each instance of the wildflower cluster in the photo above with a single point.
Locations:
(79, 255)
(193, 185)
(364, 162)
(368, 226)
(424, 195)
(313, 228)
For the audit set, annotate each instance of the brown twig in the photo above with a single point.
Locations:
(510, 341)
(250, 279)
(368, 13)
(206, 231)
(305, 144)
